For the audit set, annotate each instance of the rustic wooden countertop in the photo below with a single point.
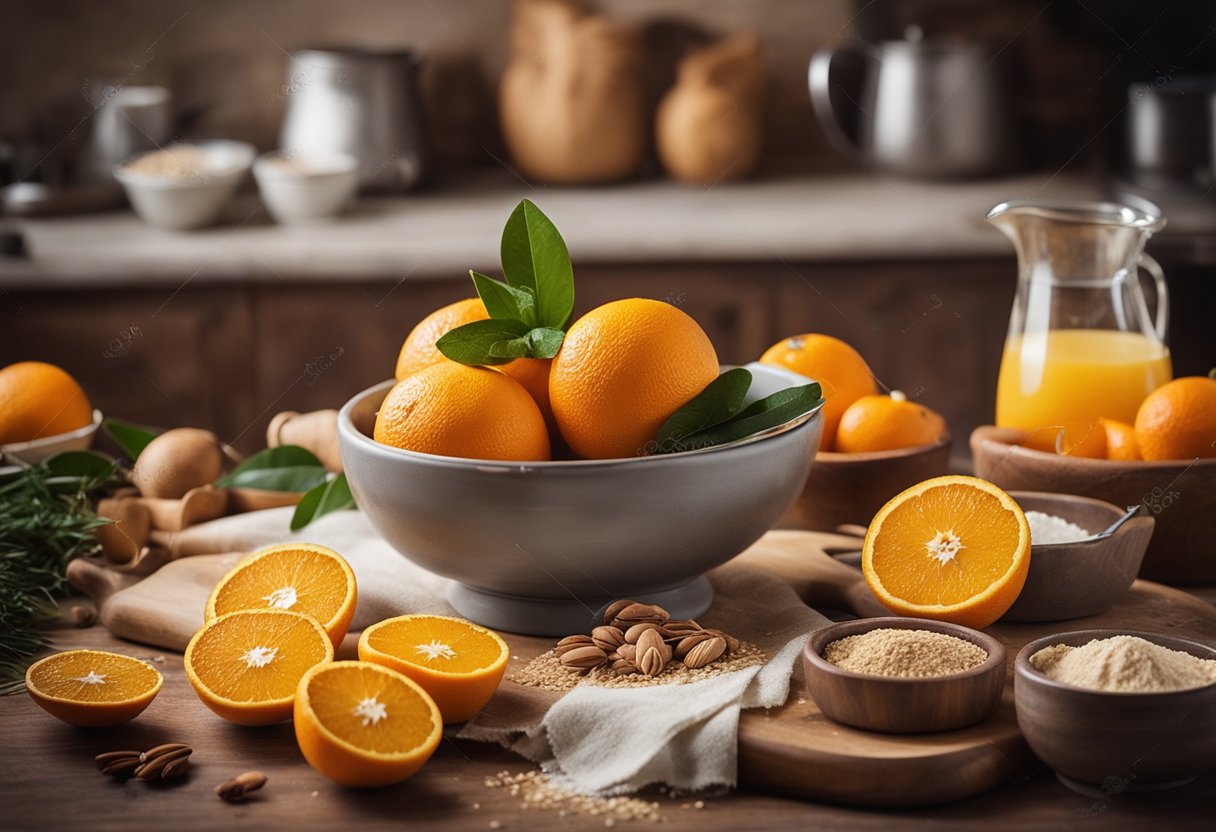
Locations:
(48, 782)
(444, 232)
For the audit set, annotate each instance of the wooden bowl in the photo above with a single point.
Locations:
(1073, 580)
(899, 705)
(1119, 741)
(851, 488)
(1179, 495)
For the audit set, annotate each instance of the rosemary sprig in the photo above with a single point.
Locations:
(46, 519)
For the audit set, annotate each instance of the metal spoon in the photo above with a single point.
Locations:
(1132, 511)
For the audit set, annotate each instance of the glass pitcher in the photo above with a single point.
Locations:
(1081, 345)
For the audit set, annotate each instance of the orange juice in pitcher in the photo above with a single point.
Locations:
(1081, 344)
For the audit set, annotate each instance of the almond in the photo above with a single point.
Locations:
(639, 614)
(583, 658)
(628, 652)
(613, 609)
(707, 651)
(635, 632)
(607, 638)
(688, 642)
(651, 662)
(624, 667)
(732, 643)
(572, 643)
(649, 639)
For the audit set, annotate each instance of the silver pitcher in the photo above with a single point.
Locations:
(925, 108)
(360, 102)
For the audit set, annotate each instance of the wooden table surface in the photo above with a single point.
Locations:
(49, 782)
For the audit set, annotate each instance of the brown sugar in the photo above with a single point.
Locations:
(904, 653)
(1126, 664)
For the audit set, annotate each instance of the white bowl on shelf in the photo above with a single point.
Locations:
(36, 450)
(180, 201)
(301, 187)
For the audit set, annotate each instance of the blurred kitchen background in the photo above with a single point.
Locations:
(675, 143)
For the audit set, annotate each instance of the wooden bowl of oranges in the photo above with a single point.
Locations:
(874, 445)
(1165, 460)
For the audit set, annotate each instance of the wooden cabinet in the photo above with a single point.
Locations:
(228, 356)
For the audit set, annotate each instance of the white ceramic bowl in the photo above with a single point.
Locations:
(36, 450)
(305, 187)
(194, 200)
(538, 547)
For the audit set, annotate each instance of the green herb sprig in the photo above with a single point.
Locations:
(716, 415)
(530, 310)
(46, 520)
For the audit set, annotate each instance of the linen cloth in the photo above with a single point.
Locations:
(595, 739)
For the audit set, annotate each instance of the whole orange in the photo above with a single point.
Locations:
(453, 410)
(623, 370)
(886, 423)
(39, 400)
(1178, 420)
(418, 350)
(1120, 440)
(839, 369)
(533, 374)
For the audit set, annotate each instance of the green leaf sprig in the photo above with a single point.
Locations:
(716, 415)
(332, 495)
(285, 468)
(131, 438)
(46, 520)
(530, 310)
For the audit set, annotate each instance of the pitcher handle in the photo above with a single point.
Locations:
(1163, 296)
(824, 63)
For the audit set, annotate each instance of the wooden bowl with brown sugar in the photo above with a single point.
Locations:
(851, 488)
(904, 704)
(1118, 741)
(1179, 495)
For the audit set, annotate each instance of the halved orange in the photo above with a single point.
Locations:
(458, 663)
(246, 665)
(363, 725)
(92, 688)
(952, 548)
(301, 577)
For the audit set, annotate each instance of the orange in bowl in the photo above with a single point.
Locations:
(38, 400)
(246, 665)
(301, 577)
(363, 725)
(92, 688)
(1178, 420)
(840, 369)
(1120, 440)
(449, 409)
(887, 423)
(458, 663)
(952, 548)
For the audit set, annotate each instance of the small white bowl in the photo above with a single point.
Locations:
(193, 200)
(305, 187)
(36, 450)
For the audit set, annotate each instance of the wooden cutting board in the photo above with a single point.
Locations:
(793, 749)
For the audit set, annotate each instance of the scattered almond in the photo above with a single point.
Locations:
(709, 650)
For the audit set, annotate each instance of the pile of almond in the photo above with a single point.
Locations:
(642, 638)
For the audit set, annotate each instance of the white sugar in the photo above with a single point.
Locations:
(1047, 529)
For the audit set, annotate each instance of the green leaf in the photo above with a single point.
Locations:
(544, 342)
(333, 495)
(504, 301)
(131, 438)
(535, 257)
(757, 417)
(286, 468)
(475, 343)
(83, 465)
(721, 399)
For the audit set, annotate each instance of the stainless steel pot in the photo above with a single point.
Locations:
(359, 102)
(935, 108)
